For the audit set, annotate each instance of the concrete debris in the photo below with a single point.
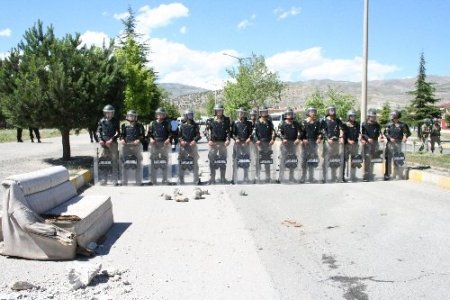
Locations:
(166, 196)
(81, 274)
(198, 193)
(22, 285)
(243, 193)
(92, 246)
(180, 198)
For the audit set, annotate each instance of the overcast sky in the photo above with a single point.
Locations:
(301, 40)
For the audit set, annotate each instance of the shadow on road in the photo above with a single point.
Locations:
(114, 233)
(75, 162)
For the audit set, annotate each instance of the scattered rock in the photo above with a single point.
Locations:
(243, 193)
(92, 246)
(22, 285)
(180, 198)
(289, 223)
(198, 193)
(81, 274)
(166, 196)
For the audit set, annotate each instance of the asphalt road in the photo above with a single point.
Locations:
(378, 240)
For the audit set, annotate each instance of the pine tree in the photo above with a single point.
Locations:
(141, 91)
(58, 83)
(424, 103)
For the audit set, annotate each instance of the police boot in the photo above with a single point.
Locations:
(212, 178)
(268, 175)
(32, 140)
(19, 141)
(353, 174)
(303, 177)
(39, 140)
(222, 176)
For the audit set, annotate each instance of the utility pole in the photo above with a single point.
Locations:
(365, 62)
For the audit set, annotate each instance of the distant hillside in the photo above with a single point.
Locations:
(379, 91)
(176, 89)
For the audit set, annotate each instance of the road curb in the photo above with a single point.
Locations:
(81, 178)
(441, 181)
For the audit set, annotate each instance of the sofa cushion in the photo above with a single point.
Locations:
(89, 217)
(42, 201)
(41, 180)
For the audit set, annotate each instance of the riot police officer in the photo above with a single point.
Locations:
(241, 132)
(264, 136)
(371, 133)
(333, 135)
(218, 129)
(435, 135)
(291, 133)
(108, 131)
(189, 136)
(425, 130)
(352, 134)
(159, 134)
(395, 132)
(312, 137)
(131, 135)
(253, 116)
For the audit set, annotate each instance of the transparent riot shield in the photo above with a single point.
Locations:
(266, 162)
(395, 165)
(188, 169)
(160, 163)
(106, 165)
(333, 162)
(131, 164)
(243, 163)
(374, 156)
(290, 157)
(311, 171)
(353, 162)
(220, 164)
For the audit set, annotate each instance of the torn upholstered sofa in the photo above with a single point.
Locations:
(44, 218)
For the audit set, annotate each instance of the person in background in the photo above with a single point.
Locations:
(36, 132)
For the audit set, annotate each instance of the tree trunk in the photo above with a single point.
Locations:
(65, 134)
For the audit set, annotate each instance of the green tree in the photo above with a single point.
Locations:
(424, 103)
(210, 102)
(331, 97)
(384, 115)
(252, 85)
(141, 91)
(56, 83)
(172, 111)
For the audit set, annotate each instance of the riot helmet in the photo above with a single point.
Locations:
(351, 114)
(161, 112)
(108, 111)
(395, 115)
(330, 111)
(264, 112)
(218, 109)
(131, 116)
(188, 114)
(253, 112)
(372, 113)
(289, 113)
(311, 110)
(241, 112)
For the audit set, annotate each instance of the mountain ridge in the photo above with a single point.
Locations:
(395, 91)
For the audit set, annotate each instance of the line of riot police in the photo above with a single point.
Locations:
(328, 149)
(127, 140)
(313, 150)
